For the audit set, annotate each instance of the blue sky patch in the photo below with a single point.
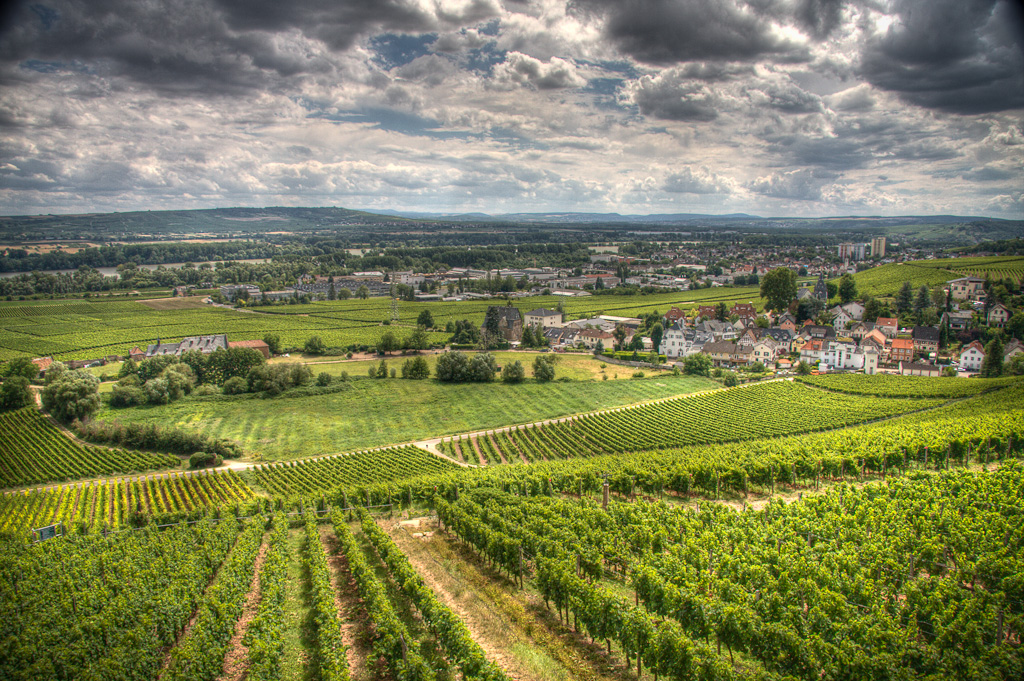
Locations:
(394, 49)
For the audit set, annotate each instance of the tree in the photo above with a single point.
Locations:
(599, 348)
(527, 340)
(273, 342)
(619, 334)
(72, 395)
(492, 321)
(544, 368)
(452, 366)
(872, 309)
(922, 302)
(721, 312)
(847, 288)
(332, 293)
(731, 380)
(657, 333)
(314, 346)
(905, 299)
(831, 290)
(992, 365)
(21, 366)
(362, 292)
(1015, 367)
(344, 294)
(15, 393)
(382, 369)
(465, 333)
(482, 367)
(636, 343)
(418, 339)
(778, 287)
(323, 379)
(803, 368)
(1015, 326)
(388, 342)
(415, 368)
(697, 365)
(425, 319)
(513, 372)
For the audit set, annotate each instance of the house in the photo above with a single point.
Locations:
(805, 293)
(960, 319)
(813, 352)
(674, 315)
(854, 309)
(1012, 349)
(258, 345)
(870, 359)
(137, 354)
(998, 315)
(840, 318)
(203, 344)
(919, 369)
(888, 325)
(707, 312)
(860, 329)
(744, 311)
(875, 339)
(819, 332)
(720, 330)
(591, 337)
(749, 337)
(43, 363)
(783, 338)
(564, 336)
(972, 356)
(901, 350)
(787, 321)
(765, 351)
(244, 291)
(509, 319)
(674, 342)
(543, 318)
(966, 288)
(843, 355)
(725, 353)
(926, 339)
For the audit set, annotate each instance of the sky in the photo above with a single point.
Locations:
(768, 107)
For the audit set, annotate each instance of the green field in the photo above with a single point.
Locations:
(78, 329)
(382, 412)
(887, 279)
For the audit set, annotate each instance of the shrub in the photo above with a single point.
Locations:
(314, 346)
(71, 395)
(697, 365)
(15, 393)
(415, 368)
(544, 368)
(513, 372)
(638, 374)
(235, 386)
(127, 396)
(204, 460)
(206, 389)
(731, 379)
(323, 379)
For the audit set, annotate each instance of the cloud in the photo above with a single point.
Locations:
(521, 69)
(802, 184)
(957, 56)
(670, 95)
(703, 181)
(666, 32)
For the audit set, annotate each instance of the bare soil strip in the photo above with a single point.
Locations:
(236, 660)
(512, 630)
(479, 452)
(495, 447)
(355, 628)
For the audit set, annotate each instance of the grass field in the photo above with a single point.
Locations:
(382, 412)
(85, 329)
(575, 366)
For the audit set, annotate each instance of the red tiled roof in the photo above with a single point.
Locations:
(248, 344)
(43, 362)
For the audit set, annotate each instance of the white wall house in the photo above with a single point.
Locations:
(972, 356)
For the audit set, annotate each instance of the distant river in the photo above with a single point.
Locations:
(112, 271)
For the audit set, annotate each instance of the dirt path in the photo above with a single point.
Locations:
(479, 452)
(236, 660)
(496, 614)
(496, 448)
(355, 629)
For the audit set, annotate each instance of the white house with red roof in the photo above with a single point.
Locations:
(972, 356)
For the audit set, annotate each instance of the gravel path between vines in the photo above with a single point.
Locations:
(355, 632)
(236, 660)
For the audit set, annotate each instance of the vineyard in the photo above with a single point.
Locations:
(885, 385)
(886, 280)
(120, 504)
(310, 477)
(746, 413)
(856, 583)
(33, 451)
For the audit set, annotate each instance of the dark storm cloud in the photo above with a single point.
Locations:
(670, 31)
(217, 46)
(961, 56)
(671, 96)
